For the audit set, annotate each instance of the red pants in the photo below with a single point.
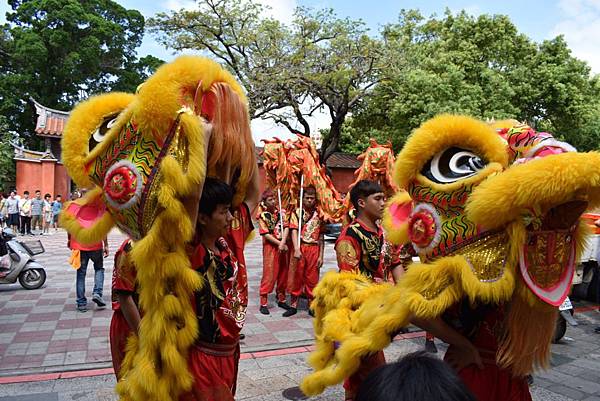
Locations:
(275, 270)
(352, 384)
(493, 383)
(215, 370)
(119, 331)
(304, 273)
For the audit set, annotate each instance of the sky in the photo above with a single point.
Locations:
(577, 20)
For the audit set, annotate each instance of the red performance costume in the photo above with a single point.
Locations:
(220, 308)
(123, 282)
(484, 326)
(275, 262)
(360, 249)
(303, 275)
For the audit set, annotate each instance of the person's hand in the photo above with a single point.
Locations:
(461, 357)
(105, 251)
(320, 262)
(283, 247)
(297, 254)
(597, 223)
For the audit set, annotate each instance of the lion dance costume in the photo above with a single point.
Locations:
(146, 156)
(493, 213)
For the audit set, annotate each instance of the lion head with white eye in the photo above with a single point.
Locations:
(493, 213)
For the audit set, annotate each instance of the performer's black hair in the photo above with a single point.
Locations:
(416, 377)
(362, 190)
(215, 192)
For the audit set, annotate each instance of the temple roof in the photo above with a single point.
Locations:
(50, 122)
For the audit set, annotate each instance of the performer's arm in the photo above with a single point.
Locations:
(297, 253)
(105, 249)
(464, 353)
(321, 250)
(130, 311)
(283, 243)
(397, 272)
(271, 238)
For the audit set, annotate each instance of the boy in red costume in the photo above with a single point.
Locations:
(275, 252)
(126, 316)
(303, 275)
(219, 304)
(362, 248)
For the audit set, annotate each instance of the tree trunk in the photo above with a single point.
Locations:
(332, 141)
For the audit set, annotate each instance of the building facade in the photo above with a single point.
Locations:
(44, 170)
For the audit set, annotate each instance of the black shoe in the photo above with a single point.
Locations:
(82, 308)
(98, 300)
(529, 379)
(430, 347)
(311, 313)
(597, 330)
(264, 310)
(290, 312)
(283, 305)
(242, 336)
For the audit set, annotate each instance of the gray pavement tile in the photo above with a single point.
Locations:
(32, 397)
(568, 392)
(592, 398)
(292, 335)
(542, 394)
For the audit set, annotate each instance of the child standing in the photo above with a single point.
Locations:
(303, 275)
(219, 307)
(126, 316)
(361, 248)
(275, 258)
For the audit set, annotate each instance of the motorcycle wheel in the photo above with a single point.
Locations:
(32, 279)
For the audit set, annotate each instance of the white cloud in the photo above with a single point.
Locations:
(176, 5)
(282, 10)
(580, 26)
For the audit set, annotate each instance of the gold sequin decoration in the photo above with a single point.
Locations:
(486, 256)
(547, 255)
(432, 293)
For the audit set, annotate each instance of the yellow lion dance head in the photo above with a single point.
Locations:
(145, 158)
(493, 212)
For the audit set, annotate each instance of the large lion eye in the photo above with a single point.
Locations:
(453, 164)
(100, 133)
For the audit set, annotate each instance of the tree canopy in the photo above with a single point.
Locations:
(318, 62)
(481, 66)
(62, 51)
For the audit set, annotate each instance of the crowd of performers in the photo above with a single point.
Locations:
(177, 172)
(217, 255)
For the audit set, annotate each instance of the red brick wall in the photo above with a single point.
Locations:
(342, 178)
(62, 182)
(47, 176)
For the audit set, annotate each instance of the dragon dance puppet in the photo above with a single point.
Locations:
(145, 157)
(493, 213)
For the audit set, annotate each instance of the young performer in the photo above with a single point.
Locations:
(361, 247)
(275, 252)
(303, 275)
(126, 316)
(219, 307)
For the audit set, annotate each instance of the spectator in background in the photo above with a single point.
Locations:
(56, 208)
(47, 213)
(3, 213)
(37, 210)
(96, 253)
(25, 213)
(12, 211)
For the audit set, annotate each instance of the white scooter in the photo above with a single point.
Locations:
(20, 262)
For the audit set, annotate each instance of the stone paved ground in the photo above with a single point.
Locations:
(41, 332)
